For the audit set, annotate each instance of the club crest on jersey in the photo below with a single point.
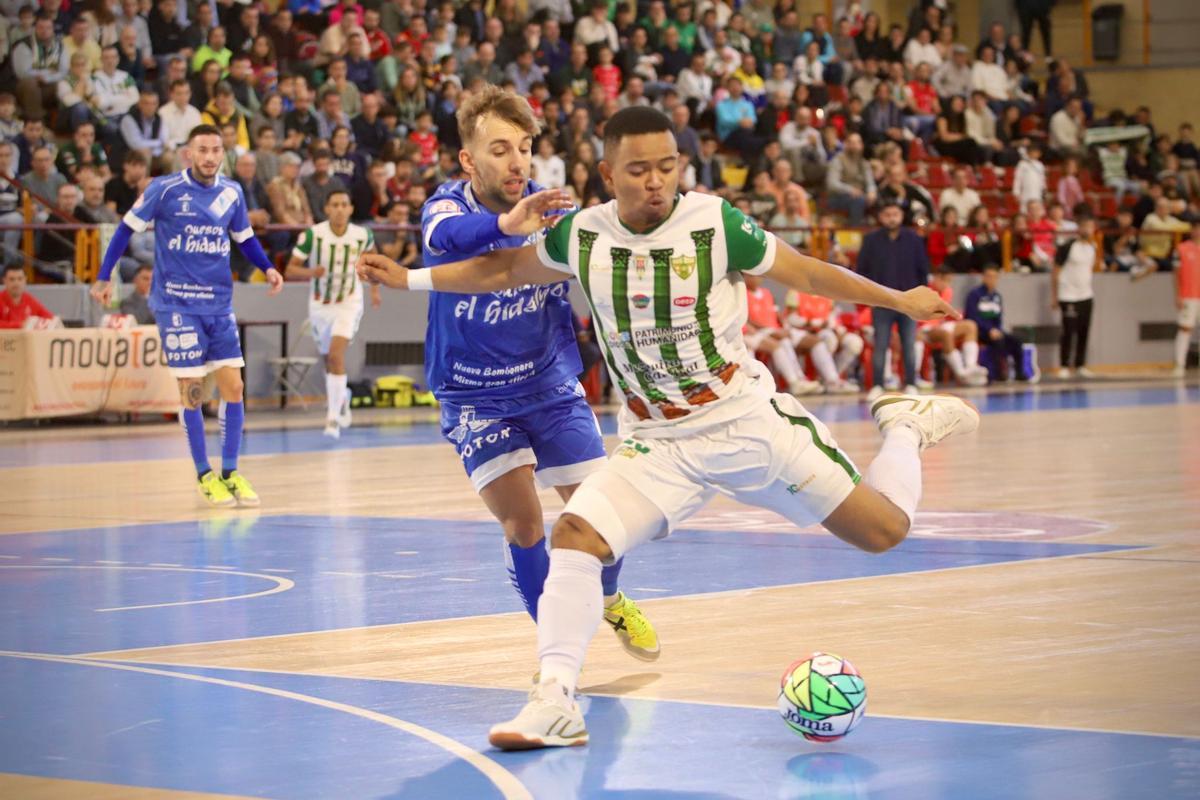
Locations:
(683, 266)
(468, 424)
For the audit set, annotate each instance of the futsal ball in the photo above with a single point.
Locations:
(822, 697)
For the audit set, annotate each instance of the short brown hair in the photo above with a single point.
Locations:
(491, 99)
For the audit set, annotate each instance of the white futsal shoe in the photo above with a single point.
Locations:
(551, 718)
(344, 417)
(934, 416)
(332, 429)
(842, 387)
(801, 387)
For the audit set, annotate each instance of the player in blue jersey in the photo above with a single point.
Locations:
(505, 366)
(195, 214)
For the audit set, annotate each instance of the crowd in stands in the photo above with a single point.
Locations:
(802, 123)
(793, 120)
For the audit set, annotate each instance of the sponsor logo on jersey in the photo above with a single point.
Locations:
(172, 341)
(683, 266)
(684, 302)
(640, 300)
(600, 266)
(639, 266)
(209, 239)
(189, 339)
(224, 200)
(631, 449)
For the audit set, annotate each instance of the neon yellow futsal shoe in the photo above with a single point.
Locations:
(240, 488)
(633, 629)
(214, 490)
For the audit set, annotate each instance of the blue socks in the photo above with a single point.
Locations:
(527, 571)
(232, 417)
(193, 424)
(608, 578)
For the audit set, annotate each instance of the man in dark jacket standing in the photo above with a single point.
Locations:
(894, 257)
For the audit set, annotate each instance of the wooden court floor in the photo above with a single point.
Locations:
(355, 636)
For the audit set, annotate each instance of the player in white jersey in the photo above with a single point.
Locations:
(701, 416)
(326, 253)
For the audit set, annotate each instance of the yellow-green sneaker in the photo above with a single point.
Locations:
(240, 488)
(632, 628)
(214, 490)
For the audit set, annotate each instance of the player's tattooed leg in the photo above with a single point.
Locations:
(190, 393)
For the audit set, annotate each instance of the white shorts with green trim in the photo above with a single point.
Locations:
(776, 456)
(334, 319)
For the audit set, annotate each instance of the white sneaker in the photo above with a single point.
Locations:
(912, 390)
(344, 417)
(874, 392)
(975, 379)
(1177, 372)
(1084, 372)
(332, 429)
(921, 383)
(1063, 374)
(551, 718)
(935, 416)
(842, 387)
(802, 387)
(891, 383)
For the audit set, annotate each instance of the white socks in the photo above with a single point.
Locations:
(823, 361)
(896, 471)
(970, 354)
(335, 394)
(569, 612)
(850, 349)
(1182, 339)
(955, 359)
(784, 359)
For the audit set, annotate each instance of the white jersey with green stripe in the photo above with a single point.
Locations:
(320, 247)
(668, 306)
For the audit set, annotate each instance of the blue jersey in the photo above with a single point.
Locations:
(490, 346)
(193, 224)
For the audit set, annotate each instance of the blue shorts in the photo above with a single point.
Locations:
(555, 430)
(197, 344)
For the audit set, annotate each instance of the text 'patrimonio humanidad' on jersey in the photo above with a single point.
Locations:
(664, 305)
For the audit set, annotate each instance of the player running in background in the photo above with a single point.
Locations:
(505, 364)
(195, 213)
(326, 253)
(1187, 297)
(700, 415)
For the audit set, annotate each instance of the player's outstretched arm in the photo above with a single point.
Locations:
(811, 275)
(102, 288)
(509, 268)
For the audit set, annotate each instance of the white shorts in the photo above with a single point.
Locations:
(334, 319)
(776, 456)
(755, 339)
(1189, 314)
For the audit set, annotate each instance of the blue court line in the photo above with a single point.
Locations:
(355, 571)
(92, 723)
(170, 443)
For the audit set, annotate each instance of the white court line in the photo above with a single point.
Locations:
(217, 566)
(281, 584)
(111, 562)
(648, 589)
(505, 781)
(52, 558)
(275, 569)
(406, 552)
(11, 558)
(461, 580)
(161, 564)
